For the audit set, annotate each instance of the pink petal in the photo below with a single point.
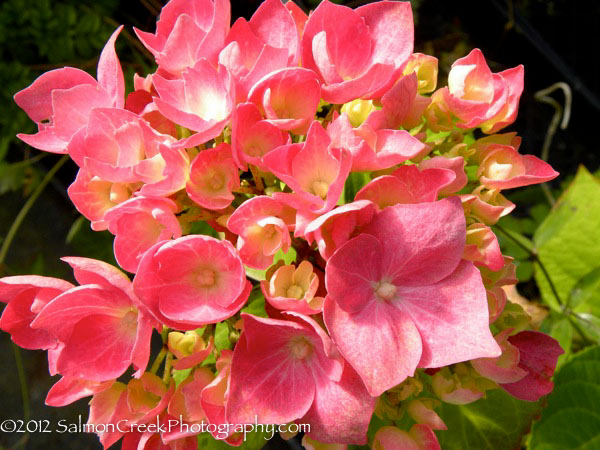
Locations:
(267, 384)
(36, 99)
(539, 354)
(99, 348)
(451, 310)
(68, 390)
(62, 314)
(274, 25)
(380, 342)
(341, 411)
(416, 252)
(93, 271)
(110, 74)
(392, 31)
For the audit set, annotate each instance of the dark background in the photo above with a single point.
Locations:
(556, 40)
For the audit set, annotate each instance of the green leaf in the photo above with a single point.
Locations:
(354, 183)
(572, 417)
(562, 331)
(287, 258)
(75, 228)
(201, 227)
(222, 341)
(498, 421)
(590, 325)
(585, 295)
(256, 303)
(567, 241)
(181, 375)
(254, 441)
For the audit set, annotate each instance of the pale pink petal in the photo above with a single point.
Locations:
(110, 74)
(380, 342)
(452, 310)
(417, 251)
(67, 390)
(341, 411)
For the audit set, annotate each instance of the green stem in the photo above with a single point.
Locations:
(167, 371)
(565, 310)
(536, 258)
(22, 382)
(577, 328)
(164, 334)
(29, 161)
(10, 236)
(159, 359)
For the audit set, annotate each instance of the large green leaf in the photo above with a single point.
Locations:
(568, 241)
(572, 418)
(496, 422)
(255, 440)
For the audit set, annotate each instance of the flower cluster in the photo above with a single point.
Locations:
(308, 162)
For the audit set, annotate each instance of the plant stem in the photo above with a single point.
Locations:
(22, 382)
(577, 328)
(159, 359)
(167, 370)
(536, 259)
(10, 236)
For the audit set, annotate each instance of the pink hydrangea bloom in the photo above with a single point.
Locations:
(482, 247)
(214, 398)
(113, 143)
(285, 370)
(213, 177)
(201, 100)
(407, 296)
(504, 368)
(268, 42)
(406, 184)
(487, 206)
(191, 281)
(373, 149)
(198, 27)
(538, 356)
(502, 167)
(357, 53)
(480, 98)
(26, 296)
(396, 104)
(165, 173)
(288, 98)
(456, 164)
(252, 137)
(335, 228)
(261, 224)
(315, 170)
(138, 224)
(59, 101)
(68, 390)
(93, 196)
(419, 437)
(186, 403)
(98, 325)
(294, 289)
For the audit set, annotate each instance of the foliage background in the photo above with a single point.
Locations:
(555, 40)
